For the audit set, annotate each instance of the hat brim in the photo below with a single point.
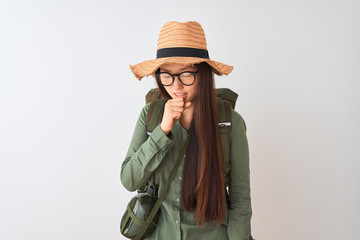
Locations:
(149, 67)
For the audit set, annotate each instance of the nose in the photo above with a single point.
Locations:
(177, 84)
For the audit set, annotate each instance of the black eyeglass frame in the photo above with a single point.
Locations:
(177, 75)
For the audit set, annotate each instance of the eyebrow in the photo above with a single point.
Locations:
(181, 69)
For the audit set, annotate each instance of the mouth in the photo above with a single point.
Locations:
(183, 95)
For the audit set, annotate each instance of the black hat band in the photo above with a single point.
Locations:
(182, 52)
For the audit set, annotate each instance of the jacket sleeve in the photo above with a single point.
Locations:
(240, 210)
(144, 155)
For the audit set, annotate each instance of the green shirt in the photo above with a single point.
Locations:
(157, 154)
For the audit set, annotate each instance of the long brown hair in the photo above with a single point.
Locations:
(203, 188)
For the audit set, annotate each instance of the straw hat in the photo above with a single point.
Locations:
(183, 43)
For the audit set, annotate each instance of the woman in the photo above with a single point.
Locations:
(196, 206)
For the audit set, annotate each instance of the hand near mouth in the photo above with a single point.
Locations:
(173, 110)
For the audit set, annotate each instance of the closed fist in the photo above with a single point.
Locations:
(172, 112)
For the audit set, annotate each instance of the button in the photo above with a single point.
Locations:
(178, 199)
(180, 178)
(177, 222)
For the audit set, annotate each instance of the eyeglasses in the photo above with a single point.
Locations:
(186, 78)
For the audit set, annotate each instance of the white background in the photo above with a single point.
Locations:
(68, 105)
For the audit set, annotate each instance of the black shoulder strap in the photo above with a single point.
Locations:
(154, 115)
(224, 109)
(157, 205)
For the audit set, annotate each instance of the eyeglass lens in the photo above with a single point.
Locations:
(186, 78)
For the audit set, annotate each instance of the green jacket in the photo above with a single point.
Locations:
(157, 154)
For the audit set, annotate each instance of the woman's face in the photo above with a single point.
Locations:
(188, 93)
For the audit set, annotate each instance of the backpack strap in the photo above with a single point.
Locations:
(228, 95)
(154, 115)
(224, 109)
(153, 95)
(157, 205)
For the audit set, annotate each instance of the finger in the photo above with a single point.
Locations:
(187, 105)
(176, 115)
(177, 110)
(176, 101)
(175, 106)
